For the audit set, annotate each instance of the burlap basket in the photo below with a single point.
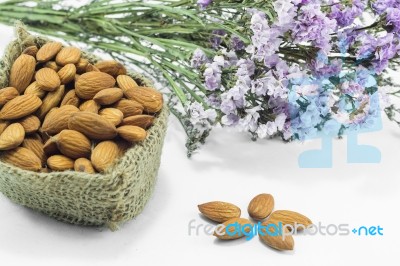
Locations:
(87, 199)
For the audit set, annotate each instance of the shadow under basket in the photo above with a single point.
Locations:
(109, 199)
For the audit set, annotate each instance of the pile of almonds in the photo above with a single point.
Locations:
(260, 209)
(61, 112)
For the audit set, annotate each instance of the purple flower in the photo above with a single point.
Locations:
(204, 3)
(212, 76)
(198, 58)
(345, 16)
(312, 25)
(393, 19)
(380, 6)
(216, 38)
(237, 44)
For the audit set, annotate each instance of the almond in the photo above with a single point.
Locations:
(290, 218)
(35, 144)
(20, 106)
(113, 115)
(227, 230)
(104, 154)
(70, 98)
(34, 89)
(219, 211)
(123, 146)
(67, 73)
(31, 50)
(92, 125)
(90, 83)
(7, 94)
(126, 82)
(149, 98)
(108, 96)
(91, 68)
(22, 72)
(90, 106)
(57, 119)
(51, 100)
(31, 124)
(22, 158)
(60, 163)
(3, 125)
(261, 206)
(275, 239)
(128, 107)
(50, 147)
(47, 79)
(68, 55)
(132, 133)
(143, 121)
(48, 51)
(84, 165)
(111, 67)
(52, 65)
(12, 137)
(73, 144)
(82, 65)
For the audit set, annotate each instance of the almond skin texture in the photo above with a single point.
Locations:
(22, 158)
(52, 65)
(51, 100)
(57, 120)
(35, 144)
(67, 73)
(89, 84)
(108, 96)
(261, 206)
(91, 68)
(70, 98)
(219, 211)
(81, 65)
(228, 233)
(60, 163)
(143, 121)
(20, 106)
(12, 137)
(113, 115)
(7, 94)
(132, 133)
(128, 107)
(104, 155)
(48, 51)
(22, 72)
(126, 82)
(92, 125)
(73, 144)
(149, 98)
(68, 55)
(34, 89)
(31, 124)
(278, 241)
(47, 79)
(90, 106)
(84, 165)
(290, 218)
(31, 50)
(111, 67)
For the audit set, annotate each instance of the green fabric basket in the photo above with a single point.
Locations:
(109, 199)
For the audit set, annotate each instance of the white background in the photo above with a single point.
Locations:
(234, 169)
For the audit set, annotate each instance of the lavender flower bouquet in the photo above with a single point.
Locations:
(287, 68)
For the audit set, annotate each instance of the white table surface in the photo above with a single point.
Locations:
(228, 168)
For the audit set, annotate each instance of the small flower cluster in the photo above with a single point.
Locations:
(311, 68)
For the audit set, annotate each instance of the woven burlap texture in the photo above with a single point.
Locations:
(87, 199)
